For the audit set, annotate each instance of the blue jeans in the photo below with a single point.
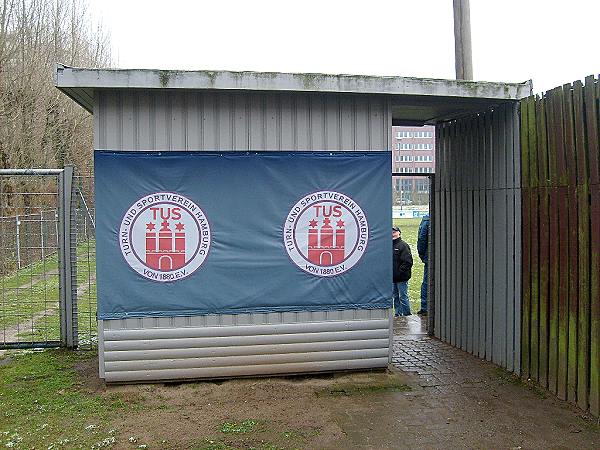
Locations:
(424, 288)
(401, 305)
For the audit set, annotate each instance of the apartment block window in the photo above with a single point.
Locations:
(423, 134)
(413, 134)
(420, 134)
(424, 170)
(423, 146)
(405, 146)
(423, 158)
(407, 184)
(422, 186)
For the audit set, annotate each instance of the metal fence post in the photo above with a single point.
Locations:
(42, 242)
(67, 252)
(18, 241)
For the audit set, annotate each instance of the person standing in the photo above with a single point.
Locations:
(423, 249)
(402, 265)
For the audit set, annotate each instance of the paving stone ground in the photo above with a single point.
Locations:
(460, 401)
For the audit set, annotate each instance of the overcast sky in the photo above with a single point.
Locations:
(551, 41)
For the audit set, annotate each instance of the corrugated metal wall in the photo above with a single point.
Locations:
(243, 344)
(203, 120)
(253, 344)
(477, 235)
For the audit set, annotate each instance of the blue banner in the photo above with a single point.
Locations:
(187, 233)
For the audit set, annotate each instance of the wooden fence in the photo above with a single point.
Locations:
(561, 242)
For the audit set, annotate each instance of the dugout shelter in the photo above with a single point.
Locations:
(202, 150)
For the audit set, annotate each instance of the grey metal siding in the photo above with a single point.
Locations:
(210, 120)
(477, 241)
(245, 344)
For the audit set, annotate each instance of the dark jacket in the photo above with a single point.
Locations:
(423, 239)
(402, 260)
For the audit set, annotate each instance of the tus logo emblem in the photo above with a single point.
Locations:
(326, 233)
(164, 236)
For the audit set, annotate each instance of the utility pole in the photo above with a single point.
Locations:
(462, 40)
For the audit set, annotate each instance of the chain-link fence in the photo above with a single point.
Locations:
(83, 187)
(29, 273)
(47, 259)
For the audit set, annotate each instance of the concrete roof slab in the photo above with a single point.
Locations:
(80, 84)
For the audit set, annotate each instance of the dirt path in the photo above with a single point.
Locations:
(11, 334)
(32, 282)
(437, 397)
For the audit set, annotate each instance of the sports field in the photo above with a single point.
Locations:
(410, 229)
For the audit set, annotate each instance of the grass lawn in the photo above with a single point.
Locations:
(31, 296)
(410, 230)
(43, 405)
(53, 399)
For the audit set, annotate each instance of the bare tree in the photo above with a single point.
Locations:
(39, 126)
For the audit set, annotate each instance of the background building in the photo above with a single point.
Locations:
(413, 151)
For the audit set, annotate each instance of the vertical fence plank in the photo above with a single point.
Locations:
(553, 239)
(526, 239)
(571, 164)
(479, 208)
(489, 231)
(499, 226)
(455, 296)
(512, 165)
(544, 230)
(448, 238)
(561, 242)
(583, 356)
(443, 294)
(477, 270)
(517, 277)
(535, 241)
(437, 225)
(592, 116)
(563, 268)
(470, 241)
(595, 302)
(462, 300)
(453, 232)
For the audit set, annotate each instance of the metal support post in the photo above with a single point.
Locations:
(18, 240)
(42, 242)
(66, 254)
